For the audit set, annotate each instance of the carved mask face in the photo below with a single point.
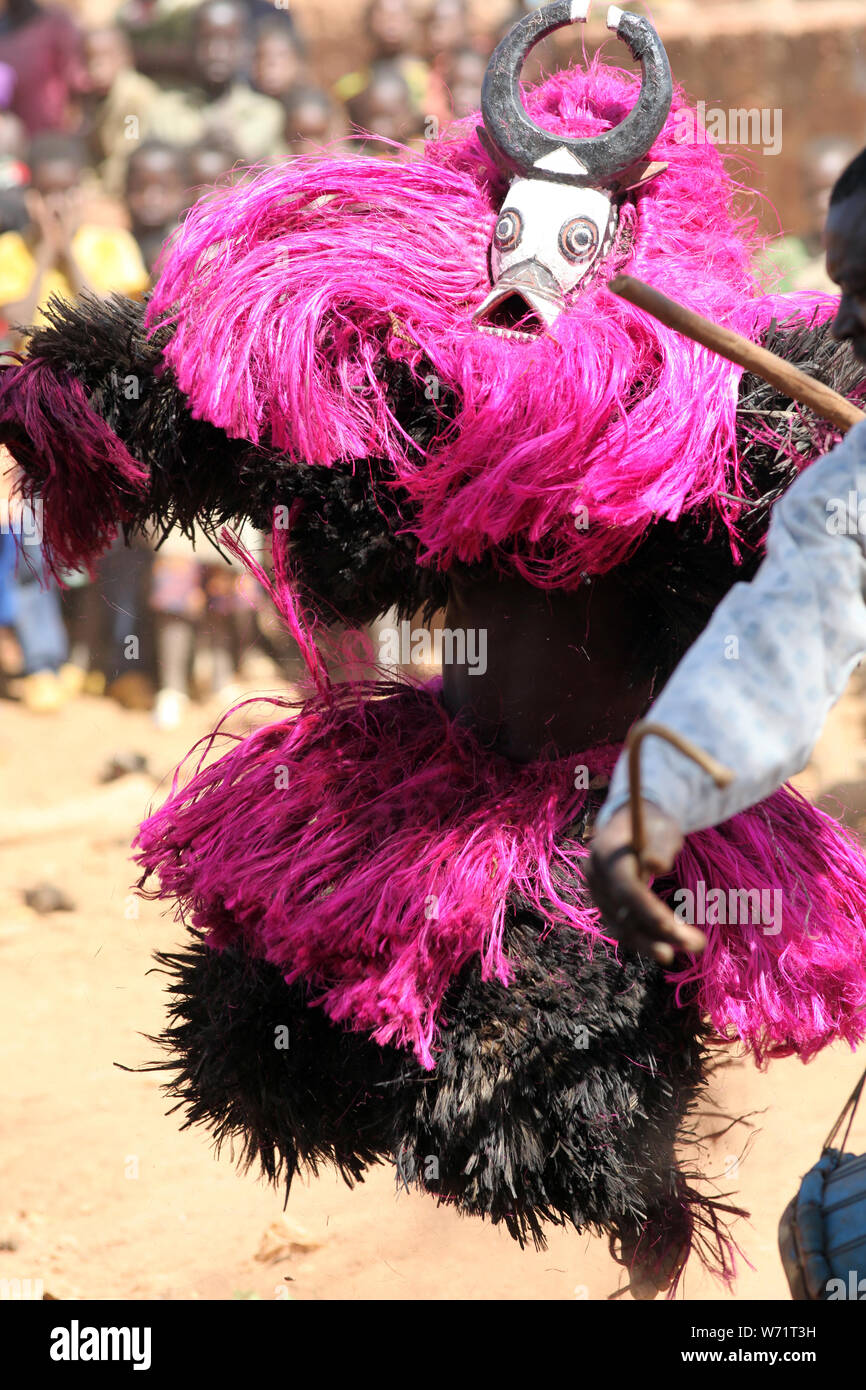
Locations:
(548, 236)
(559, 217)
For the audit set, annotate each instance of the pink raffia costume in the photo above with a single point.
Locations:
(418, 365)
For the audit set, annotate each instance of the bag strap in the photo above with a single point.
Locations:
(849, 1109)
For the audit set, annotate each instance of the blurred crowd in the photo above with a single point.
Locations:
(107, 135)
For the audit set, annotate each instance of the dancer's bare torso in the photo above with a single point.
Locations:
(552, 672)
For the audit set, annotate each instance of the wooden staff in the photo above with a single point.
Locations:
(786, 378)
(721, 775)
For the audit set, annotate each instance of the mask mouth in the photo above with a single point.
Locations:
(523, 304)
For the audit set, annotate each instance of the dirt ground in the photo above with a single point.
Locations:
(104, 1197)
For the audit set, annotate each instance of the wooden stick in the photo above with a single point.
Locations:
(721, 775)
(786, 378)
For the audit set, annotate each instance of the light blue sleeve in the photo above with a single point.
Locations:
(756, 687)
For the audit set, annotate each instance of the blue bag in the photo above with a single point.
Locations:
(822, 1233)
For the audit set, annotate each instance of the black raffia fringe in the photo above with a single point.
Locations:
(351, 524)
(353, 554)
(557, 1100)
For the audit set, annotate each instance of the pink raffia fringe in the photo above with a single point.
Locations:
(291, 295)
(287, 293)
(369, 845)
(85, 478)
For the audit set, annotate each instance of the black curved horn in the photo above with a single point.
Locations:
(520, 143)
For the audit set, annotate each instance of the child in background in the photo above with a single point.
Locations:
(210, 162)
(157, 184)
(58, 250)
(10, 648)
(14, 172)
(395, 37)
(41, 47)
(446, 32)
(14, 227)
(53, 248)
(279, 63)
(313, 120)
(162, 31)
(384, 107)
(462, 76)
(114, 104)
(220, 101)
(446, 28)
(108, 623)
(33, 646)
(202, 618)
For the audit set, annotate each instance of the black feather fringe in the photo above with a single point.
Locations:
(350, 523)
(352, 551)
(559, 1099)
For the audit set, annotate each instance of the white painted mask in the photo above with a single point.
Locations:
(548, 236)
(559, 217)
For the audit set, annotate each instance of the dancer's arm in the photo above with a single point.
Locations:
(756, 687)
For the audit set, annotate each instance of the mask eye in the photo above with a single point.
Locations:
(509, 230)
(578, 239)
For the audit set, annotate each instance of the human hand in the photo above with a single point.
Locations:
(68, 210)
(46, 221)
(630, 910)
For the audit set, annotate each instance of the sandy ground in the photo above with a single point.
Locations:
(104, 1197)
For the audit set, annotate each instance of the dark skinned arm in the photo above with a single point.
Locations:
(632, 913)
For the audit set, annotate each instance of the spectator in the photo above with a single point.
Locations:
(208, 163)
(41, 46)
(164, 180)
(56, 161)
(384, 107)
(446, 29)
(160, 33)
(312, 121)
(393, 28)
(446, 26)
(278, 61)
(394, 34)
(14, 225)
(201, 609)
(33, 643)
(157, 183)
(57, 251)
(221, 102)
(101, 619)
(463, 75)
(10, 647)
(37, 621)
(114, 102)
